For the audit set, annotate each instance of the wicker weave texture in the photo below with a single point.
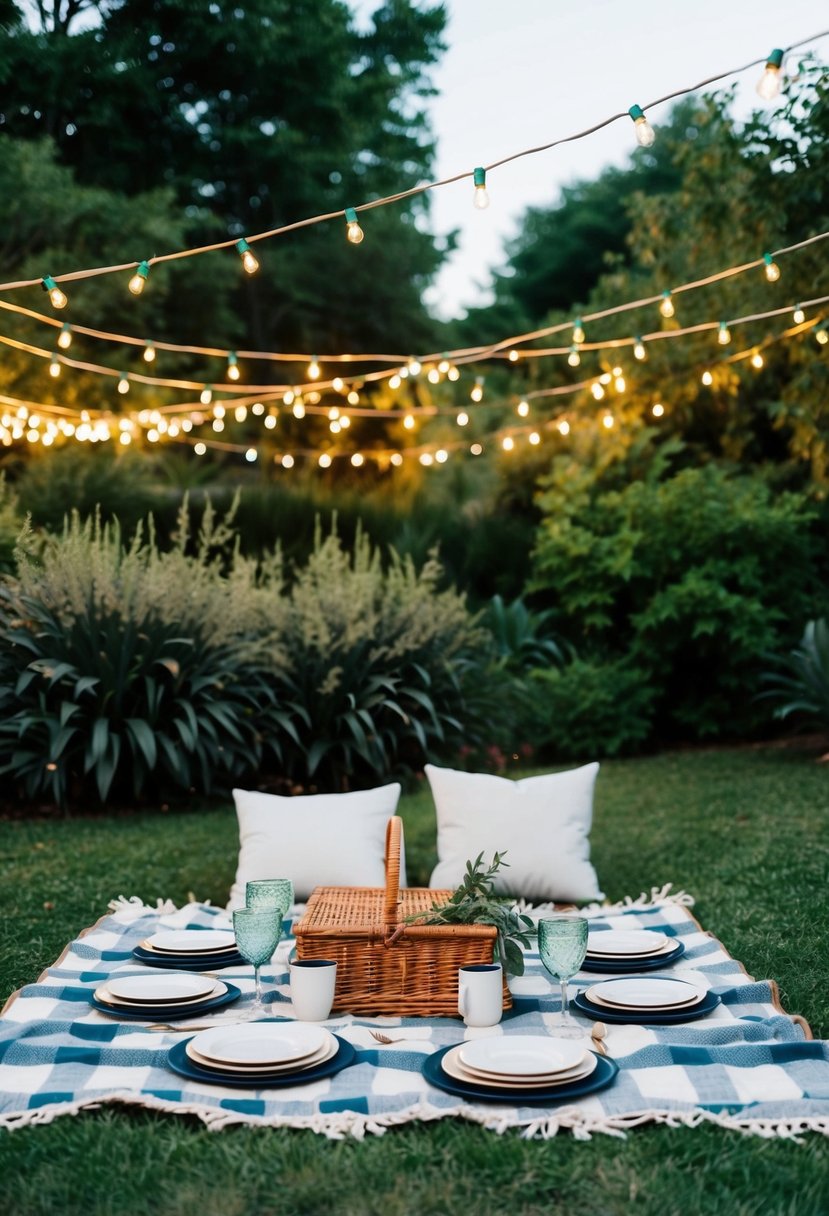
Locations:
(385, 966)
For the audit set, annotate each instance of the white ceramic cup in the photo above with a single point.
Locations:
(480, 994)
(312, 988)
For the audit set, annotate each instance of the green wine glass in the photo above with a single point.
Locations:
(257, 935)
(562, 944)
(270, 893)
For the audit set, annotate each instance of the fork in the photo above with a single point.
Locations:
(384, 1038)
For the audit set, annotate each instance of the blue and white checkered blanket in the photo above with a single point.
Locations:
(747, 1065)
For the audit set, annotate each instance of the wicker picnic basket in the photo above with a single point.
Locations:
(383, 964)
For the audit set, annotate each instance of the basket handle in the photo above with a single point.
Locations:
(394, 839)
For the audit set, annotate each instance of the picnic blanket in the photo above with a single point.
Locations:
(747, 1066)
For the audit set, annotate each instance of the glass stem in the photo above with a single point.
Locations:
(565, 1004)
(258, 980)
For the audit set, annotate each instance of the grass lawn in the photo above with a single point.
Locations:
(745, 831)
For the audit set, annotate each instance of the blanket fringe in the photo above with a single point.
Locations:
(134, 906)
(658, 897)
(345, 1124)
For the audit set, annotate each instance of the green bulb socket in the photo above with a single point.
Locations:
(479, 176)
(775, 58)
(231, 358)
(768, 259)
(143, 269)
(48, 283)
(636, 112)
(350, 215)
(242, 245)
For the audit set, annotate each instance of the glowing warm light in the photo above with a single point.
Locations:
(353, 230)
(433, 375)
(666, 306)
(477, 389)
(338, 384)
(639, 351)
(334, 427)
(333, 413)
(607, 421)
(798, 316)
(249, 262)
(251, 455)
(757, 360)
(578, 331)
(123, 385)
(444, 365)
(313, 372)
(353, 397)
(219, 410)
(707, 378)
(597, 390)
(619, 384)
(476, 449)
(535, 438)
(149, 353)
(403, 373)
(136, 283)
(508, 443)
(821, 336)
(187, 425)
(54, 367)
(513, 357)
(65, 337)
(771, 268)
(218, 424)
(240, 413)
(289, 397)
(152, 435)
(357, 459)
(564, 427)
(396, 459)
(287, 461)
(723, 334)
(462, 418)
(441, 456)
(57, 296)
(453, 374)
(658, 409)
(409, 422)
(270, 421)
(200, 448)
(324, 461)
(345, 422)
(206, 396)
(232, 367)
(413, 367)
(481, 197)
(394, 381)
(522, 409)
(298, 410)
(125, 437)
(574, 358)
(769, 84)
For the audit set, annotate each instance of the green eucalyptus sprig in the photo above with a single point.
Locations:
(474, 902)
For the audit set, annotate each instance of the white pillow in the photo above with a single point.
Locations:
(330, 840)
(541, 823)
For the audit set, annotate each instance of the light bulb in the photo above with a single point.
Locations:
(481, 198)
(441, 455)
(232, 367)
(345, 422)
(313, 372)
(413, 367)
(324, 461)
(476, 449)
(707, 378)
(768, 86)
(337, 384)
(57, 297)
(206, 395)
(409, 422)
(353, 397)
(522, 409)
(564, 427)
(534, 438)
(639, 351)
(353, 230)
(357, 459)
(644, 131)
(54, 367)
(462, 418)
(578, 331)
(607, 421)
(619, 384)
(821, 336)
(251, 454)
(597, 390)
(508, 443)
(444, 365)
(657, 409)
(478, 389)
(433, 375)
(65, 337)
(298, 408)
(199, 448)
(798, 316)
(453, 374)
(395, 381)
(123, 385)
(249, 262)
(723, 334)
(513, 357)
(136, 283)
(240, 413)
(757, 360)
(396, 459)
(289, 397)
(149, 353)
(270, 421)
(426, 458)
(257, 408)
(287, 461)
(666, 306)
(574, 358)
(772, 269)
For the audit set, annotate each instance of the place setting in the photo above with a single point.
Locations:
(646, 1000)
(625, 950)
(261, 1055)
(172, 995)
(189, 950)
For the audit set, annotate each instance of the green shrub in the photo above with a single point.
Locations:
(11, 524)
(800, 680)
(594, 708)
(691, 577)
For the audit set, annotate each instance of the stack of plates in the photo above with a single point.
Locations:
(190, 950)
(621, 950)
(519, 1067)
(260, 1055)
(177, 994)
(657, 1000)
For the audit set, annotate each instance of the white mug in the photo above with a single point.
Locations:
(480, 994)
(312, 988)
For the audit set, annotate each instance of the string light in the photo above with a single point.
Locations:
(251, 455)
(136, 283)
(249, 262)
(396, 459)
(149, 353)
(639, 351)
(270, 421)
(619, 382)
(57, 296)
(707, 378)
(453, 374)
(772, 269)
(240, 413)
(298, 408)
(798, 316)
(723, 334)
(357, 459)
(644, 131)
(65, 336)
(481, 197)
(433, 375)
(413, 367)
(666, 306)
(337, 384)
(345, 422)
(564, 427)
(578, 332)
(123, 385)
(426, 458)
(657, 409)
(200, 448)
(206, 395)
(535, 438)
(462, 418)
(395, 381)
(324, 461)
(232, 366)
(257, 408)
(477, 389)
(441, 456)
(313, 371)
(757, 360)
(353, 397)
(607, 421)
(287, 461)
(409, 422)
(444, 365)
(476, 449)
(353, 231)
(768, 86)
(597, 390)
(574, 358)
(513, 356)
(522, 409)
(54, 367)
(822, 336)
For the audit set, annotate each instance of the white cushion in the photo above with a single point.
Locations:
(541, 823)
(330, 840)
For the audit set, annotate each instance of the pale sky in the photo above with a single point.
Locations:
(518, 73)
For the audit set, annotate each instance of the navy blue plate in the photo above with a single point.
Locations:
(602, 1076)
(668, 1017)
(166, 1013)
(181, 1063)
(189, 962)
(628, 963)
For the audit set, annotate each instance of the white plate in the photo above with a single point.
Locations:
(521, 1055)
(453, 1067)
(191, 941)
(159, 989)
(642, 992)
(628, 942)
(261, 1043)
(103, 994)
(326, 1052)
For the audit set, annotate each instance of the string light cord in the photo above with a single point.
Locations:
(422, 188)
